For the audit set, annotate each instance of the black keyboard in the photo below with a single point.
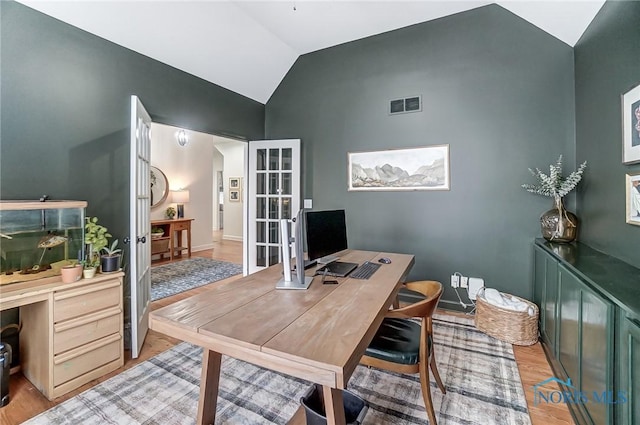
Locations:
(365, 271)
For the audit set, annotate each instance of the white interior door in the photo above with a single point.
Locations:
(273, 193)
(140, 223)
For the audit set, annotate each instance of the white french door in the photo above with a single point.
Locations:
(139, 223)
(273, 193)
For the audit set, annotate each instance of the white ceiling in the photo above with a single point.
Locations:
(248, 46)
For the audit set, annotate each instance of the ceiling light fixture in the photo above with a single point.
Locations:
(182, 138)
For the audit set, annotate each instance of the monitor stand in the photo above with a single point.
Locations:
(294, 284)
(297, 279)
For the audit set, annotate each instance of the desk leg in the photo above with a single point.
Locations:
(209, 382)
(334, 406)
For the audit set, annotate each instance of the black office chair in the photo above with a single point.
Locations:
(405, 346)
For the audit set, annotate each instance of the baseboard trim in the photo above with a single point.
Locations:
(202, 247)
(232, 238)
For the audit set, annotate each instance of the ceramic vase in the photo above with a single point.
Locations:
(89, 273)
(109, 263)
(558, 224)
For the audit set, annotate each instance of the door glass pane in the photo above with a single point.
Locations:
(261, 207)
(273, 208)
(286, 208)
(261, 184)
(274, 159)
(274, 235)
(261, 255)
(274, 254)
(286, 183)
(286, 158)
(273, 183)
(261, 159)
(261, 232)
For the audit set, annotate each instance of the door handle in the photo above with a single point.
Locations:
(142, 239)
(126, 240)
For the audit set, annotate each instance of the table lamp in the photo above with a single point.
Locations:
(180, 197)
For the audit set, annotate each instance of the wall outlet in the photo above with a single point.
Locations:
(464, 282)
(475, 285)
(455, 281)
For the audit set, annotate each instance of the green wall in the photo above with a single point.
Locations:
(495, 88)
(65, 113)
(65, 97)
(607, 64)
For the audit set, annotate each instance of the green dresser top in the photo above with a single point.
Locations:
(610, 276)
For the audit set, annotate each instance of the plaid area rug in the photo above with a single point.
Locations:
(173, 278)
(479, 372)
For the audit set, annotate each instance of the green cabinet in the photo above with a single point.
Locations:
(546, 295)
(590, 330)
(629, 369)
(585, 345)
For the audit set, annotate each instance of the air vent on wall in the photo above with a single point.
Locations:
(408, 104)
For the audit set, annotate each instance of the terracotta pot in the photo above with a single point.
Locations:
(71, 274)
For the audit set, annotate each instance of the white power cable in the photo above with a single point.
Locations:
(462, 303)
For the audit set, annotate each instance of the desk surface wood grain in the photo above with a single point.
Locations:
(320, 332)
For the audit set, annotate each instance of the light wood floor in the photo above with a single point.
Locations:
(27, 401)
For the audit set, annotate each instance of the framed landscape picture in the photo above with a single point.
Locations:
(423, 168)
(631, 126)
(633, 198)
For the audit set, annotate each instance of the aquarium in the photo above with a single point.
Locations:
(38, 238)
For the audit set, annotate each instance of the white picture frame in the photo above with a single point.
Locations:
(235, 182)
(631, 126)
(633, 198)
(422, 168)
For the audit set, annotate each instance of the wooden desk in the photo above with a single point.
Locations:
(72, 333)
(171, 240)
(318, 334)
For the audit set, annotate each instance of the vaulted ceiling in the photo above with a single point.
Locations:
(248, 46)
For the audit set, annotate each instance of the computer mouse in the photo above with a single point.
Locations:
(384, 260)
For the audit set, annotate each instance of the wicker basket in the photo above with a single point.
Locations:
(515, 327)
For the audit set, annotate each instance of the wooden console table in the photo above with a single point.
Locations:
(171, 240)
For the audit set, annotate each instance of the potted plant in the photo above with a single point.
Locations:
(171, 212)
(110, 260)
(89, 268)
(71, 273)
(96, 237)
(157, 232)
(557, 224)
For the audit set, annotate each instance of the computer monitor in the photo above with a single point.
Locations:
(326, 234)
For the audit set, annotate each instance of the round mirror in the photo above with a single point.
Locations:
(159, 186)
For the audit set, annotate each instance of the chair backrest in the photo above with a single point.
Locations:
(431, 289)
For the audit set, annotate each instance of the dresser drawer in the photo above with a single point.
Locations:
(86, 299)
(76, 332)
(181, 226)
(81, 360)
